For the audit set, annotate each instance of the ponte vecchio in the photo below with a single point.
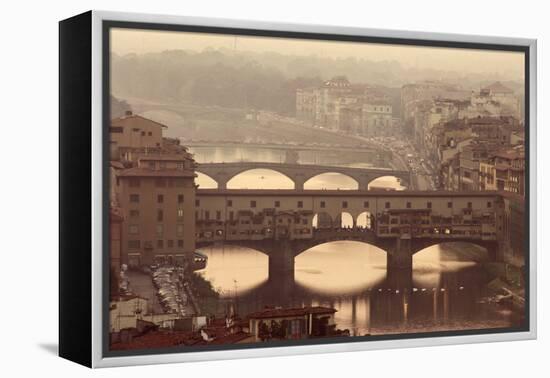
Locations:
(285, 223)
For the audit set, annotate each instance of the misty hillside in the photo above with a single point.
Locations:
(254, 80)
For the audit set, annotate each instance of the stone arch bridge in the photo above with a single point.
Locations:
(399, 252)
(298, 173)
(280, 223)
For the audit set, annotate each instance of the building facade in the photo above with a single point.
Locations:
(157, 197)
(342, 106)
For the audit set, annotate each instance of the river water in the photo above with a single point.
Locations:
(447, 292)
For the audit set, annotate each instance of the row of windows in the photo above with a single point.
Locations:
(135, 198)
(160, 182)
(136, 244)
(134, 213)
(322, 204)
(133, 229)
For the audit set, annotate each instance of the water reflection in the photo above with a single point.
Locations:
(444, 294)
(320, 269)
(235, 268)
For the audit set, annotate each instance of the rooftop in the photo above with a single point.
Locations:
(130, 116)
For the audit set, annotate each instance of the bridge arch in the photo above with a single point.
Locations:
(472, 250)
(281, 180)
(365, 220)
(245, 244)
(344, 220)
(387, 181)
(327, 242)
(321, 220)
(321, 181)
(205, 181)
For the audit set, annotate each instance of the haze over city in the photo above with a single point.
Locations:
(268, 189)
(509, 65)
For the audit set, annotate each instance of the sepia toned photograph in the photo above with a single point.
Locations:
(290, 190)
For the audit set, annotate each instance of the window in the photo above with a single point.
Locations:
(134, 213)
(143, 133)
(180, 165)
(170, 243)
(160, 198)
(133, 183)
(489, 204)
(180, 198)
(160, 183)
(115, 129)
(150, 133)
(366, 204)
(304, 221)
(322, 204)
(300, 204)
(229, 203)
(179, 182)
(469, 205)
(160, 215)
(160, 230)
(218, 215)
(252, 203)
(197, 203)
(408, 205)
(160, 243)
(387, 205)
(429, 205)
(134, 244)
(450, 205)
(277, 203)
(180, 215)
(152, 165)
(207, 215)
(179, 229)
(134, 198)
(345, 204)
(133, 229)
(231, 215)
(162, 165)
(180, 243)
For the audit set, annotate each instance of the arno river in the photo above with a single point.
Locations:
(448, 289)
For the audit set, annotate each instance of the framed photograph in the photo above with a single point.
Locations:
(232, 189)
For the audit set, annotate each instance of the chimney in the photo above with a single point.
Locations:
(128, 113)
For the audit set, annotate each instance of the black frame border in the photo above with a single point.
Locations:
(107, 25)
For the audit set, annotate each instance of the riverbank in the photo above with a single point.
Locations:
(202, 294)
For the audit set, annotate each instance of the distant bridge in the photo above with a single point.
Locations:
(367, 149)
(298, 173)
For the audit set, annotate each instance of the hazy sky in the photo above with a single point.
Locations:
(510, 64)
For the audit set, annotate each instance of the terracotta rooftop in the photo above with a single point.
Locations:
(159, 339)
(119, 120)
